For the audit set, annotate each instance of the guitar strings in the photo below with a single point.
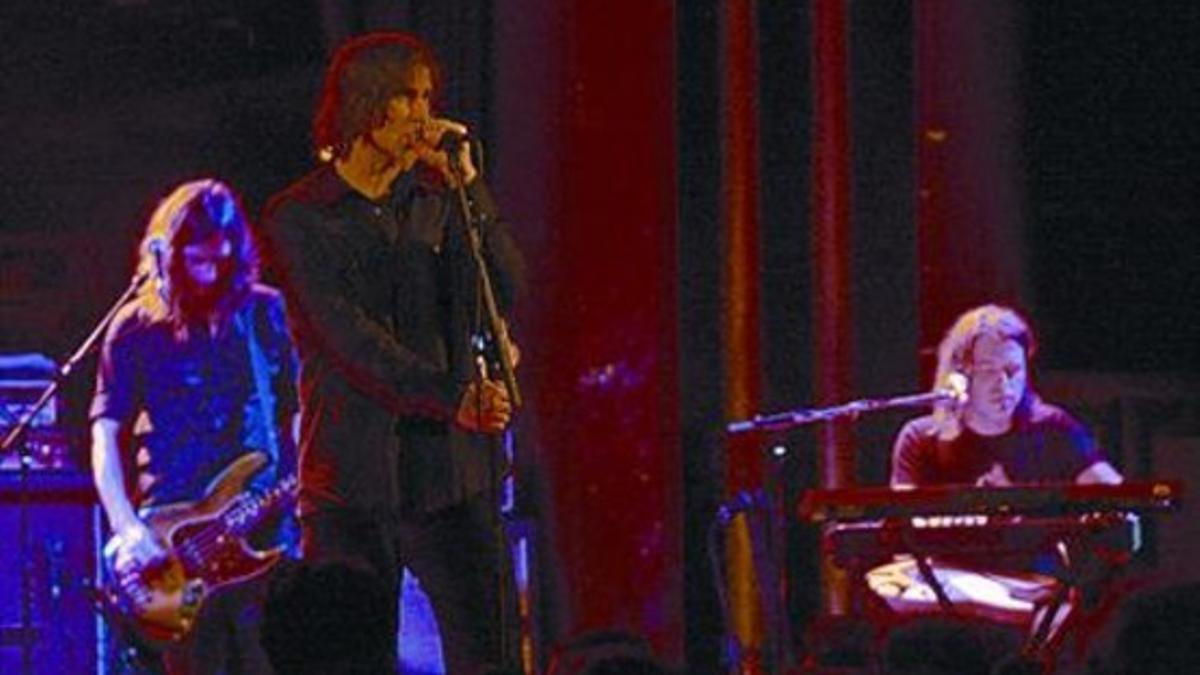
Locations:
(208, 538)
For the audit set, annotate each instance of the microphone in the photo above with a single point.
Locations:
(451, 141)
(955, 389)
(450, 135)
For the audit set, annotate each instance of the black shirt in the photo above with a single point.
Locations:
(383, 299)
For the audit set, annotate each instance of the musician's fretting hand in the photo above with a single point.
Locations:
(995, 477)
(485, 407)
(425, 144)
(139, 549)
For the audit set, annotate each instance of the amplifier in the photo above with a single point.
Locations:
(57, 564)
(23, 378)
(47, 448)
(17, 398)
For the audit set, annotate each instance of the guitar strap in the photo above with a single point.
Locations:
(266, 400)
(289, 535)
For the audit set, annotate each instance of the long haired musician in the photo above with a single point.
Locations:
(195, 374)
(1003, 433)
(376, 261)
(997, 433)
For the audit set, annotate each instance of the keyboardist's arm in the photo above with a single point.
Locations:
(1104, 473)
(1100, 472)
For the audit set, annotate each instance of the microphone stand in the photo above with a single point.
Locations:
(499, 333)
(495, 322)
(790, 419)
(783, 421)
(26, 634)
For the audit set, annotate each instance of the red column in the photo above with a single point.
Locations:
(739, 211)
(831, 247)
(741, 313)
(833, 345)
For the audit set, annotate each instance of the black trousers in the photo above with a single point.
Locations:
(454, 553)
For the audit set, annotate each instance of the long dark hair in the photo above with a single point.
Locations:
(194, 212)
(363, 76)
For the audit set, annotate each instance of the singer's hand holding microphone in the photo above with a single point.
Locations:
(437, 139)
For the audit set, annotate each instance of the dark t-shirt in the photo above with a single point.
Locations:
(1047, 446)
(189, 403)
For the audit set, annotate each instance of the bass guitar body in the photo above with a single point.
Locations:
(207, 546)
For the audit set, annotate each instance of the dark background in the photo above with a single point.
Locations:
(1076, 119)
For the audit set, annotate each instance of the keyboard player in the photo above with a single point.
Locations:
(1002, 433)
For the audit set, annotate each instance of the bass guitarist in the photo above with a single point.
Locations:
(194, 373)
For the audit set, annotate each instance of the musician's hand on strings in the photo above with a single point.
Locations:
(139, 548)
(995, 477)
(485, 407)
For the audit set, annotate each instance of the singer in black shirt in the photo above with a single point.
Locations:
(396, 429)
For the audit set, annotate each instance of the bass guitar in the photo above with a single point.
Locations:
(207, 550)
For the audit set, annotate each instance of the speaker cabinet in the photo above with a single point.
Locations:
(57, 561)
